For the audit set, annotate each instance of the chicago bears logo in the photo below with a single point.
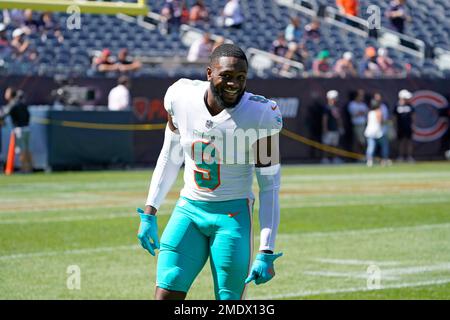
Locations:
(430, 123)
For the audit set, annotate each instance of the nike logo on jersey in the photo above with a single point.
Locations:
(232, 214)
(274, 108)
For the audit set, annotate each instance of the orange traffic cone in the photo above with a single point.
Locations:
(9, 169)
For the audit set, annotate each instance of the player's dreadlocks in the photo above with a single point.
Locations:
(228, 50)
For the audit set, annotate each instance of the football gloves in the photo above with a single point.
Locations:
(262, 268)
(148, 230)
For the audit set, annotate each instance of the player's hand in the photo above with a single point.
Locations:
(148, 230)
(262, 268)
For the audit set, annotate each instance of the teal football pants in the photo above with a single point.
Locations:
(197, 230)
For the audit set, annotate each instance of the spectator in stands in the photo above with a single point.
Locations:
(124, 63)
(293, 31)
(385, 63)
(332, 124)
(344, 67)
(232, 14)
(15, 17)
(358, 110)
(31, 25)
(404, 120)
(49, 26)
(374, 134)
(172, 11)
(104, 62)
(321, 65)
(369, 67)
(279, 46)
(219, 41)
(5, 47)
(21, 46)
(296, 52)
(198, 13)
(20, 117)
(200, 49)
(397, 15)
(312, 30)
(119, 96)
(348, 7)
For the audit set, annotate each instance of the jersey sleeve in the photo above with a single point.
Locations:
(169, 102)
(270, 118)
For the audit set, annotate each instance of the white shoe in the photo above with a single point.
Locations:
(369, 163)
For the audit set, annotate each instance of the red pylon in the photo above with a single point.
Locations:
(9, 168)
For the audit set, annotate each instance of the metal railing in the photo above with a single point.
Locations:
(262, 62)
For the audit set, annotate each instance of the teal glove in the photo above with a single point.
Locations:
(148, 230)
(262, 268)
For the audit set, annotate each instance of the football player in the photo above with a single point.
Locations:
(213, 216)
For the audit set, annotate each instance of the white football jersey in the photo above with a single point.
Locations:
(217, 149)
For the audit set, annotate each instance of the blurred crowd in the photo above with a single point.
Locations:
(370, 125)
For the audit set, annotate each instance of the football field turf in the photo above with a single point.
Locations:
(335, 223)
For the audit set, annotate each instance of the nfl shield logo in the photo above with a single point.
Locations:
(209, 124)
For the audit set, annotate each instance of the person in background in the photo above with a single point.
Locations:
(386, 122)
(119, 96)
(404, 120)
(293, 31)
(385, 63)
(344, 67)
(374, 133)
(348, 7)
(104, 62)
(124, 63)
(50, 27)
(397, 15)
(5, 46)
(198, 13)
(219, 41)
(232, 14)
(200, 48)
(358, 109)
(321, 65)
(279, 46)
(332, 125)
(312, 30)
(369, 67)
(20, 117)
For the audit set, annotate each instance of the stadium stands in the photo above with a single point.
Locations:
(263, 21)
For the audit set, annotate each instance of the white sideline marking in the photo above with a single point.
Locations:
(70, 219)
(354, 289)
(406, 176)
(357, 262)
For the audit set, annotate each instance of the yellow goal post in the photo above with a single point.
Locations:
(95, 7)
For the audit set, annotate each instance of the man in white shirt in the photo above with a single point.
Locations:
(119, 96)
(200, 49)
(232, 14)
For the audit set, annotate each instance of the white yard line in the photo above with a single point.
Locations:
(353, 275)
(357, 262)
(67, 252)
(354, 289)
(282, 237)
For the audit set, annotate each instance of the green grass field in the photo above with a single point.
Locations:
(335, 223)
